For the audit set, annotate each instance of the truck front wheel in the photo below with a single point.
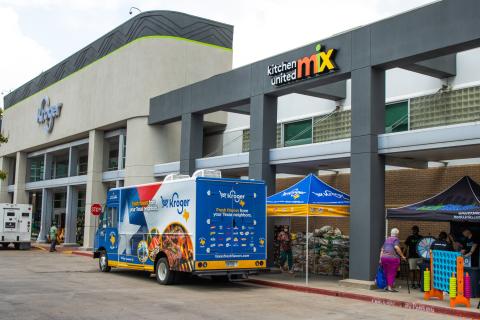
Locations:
(163, 273)
(103, 262)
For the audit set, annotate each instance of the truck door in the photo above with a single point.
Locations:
(108, 231)
(10, 221)
(24, 222)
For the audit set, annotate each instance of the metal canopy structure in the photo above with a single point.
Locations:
(423, 40)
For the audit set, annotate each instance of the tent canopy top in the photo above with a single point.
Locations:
(459, 202)
(310, 190)
(309, 197)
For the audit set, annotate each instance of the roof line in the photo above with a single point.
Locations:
(150, 23)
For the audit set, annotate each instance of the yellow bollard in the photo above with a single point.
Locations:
(453, 286)
(426, 280)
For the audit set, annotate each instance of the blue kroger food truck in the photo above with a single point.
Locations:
(199, 225)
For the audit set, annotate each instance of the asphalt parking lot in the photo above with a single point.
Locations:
(40, 285)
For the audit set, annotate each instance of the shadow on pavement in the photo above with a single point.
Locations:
(189, 281)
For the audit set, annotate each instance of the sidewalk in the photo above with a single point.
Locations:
(329, 286)
(61, 249)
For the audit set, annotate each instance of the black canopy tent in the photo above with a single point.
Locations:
(460, 202)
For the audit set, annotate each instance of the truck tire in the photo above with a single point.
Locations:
(103, 262)
(17, 245)
(163, 273)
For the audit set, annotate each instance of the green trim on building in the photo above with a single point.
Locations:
(117, 50)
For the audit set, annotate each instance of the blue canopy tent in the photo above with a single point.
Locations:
(309, 197)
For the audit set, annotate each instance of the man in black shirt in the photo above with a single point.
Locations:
(470, 247)
(413, 259)
(441, 243)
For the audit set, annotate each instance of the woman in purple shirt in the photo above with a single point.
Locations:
(390, 258)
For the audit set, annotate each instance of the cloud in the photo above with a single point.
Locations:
(262, 28)
(21, 57)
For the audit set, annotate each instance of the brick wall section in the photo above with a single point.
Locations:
(402, 187)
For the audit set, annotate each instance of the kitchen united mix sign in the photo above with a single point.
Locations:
(323, 61)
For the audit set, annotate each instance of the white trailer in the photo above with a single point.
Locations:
(15, 225)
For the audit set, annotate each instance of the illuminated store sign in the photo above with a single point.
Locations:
(47, 113)
(321, 62)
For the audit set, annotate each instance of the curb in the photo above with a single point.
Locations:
(78, 253)
(376, 300)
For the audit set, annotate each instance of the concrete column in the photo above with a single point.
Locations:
(191, 146)
(121, 143)
(5, 165)
(71, 216)
(46, 215)
(263, 131)
(367, 181)
(73, 161)
(96, 192)
(19, 193)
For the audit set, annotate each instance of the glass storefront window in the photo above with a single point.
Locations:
(82, 165)
(59, 200)
(35, 199)
(396, 117)
(124, 151)
(80, 217)
(297, 133)
(36, 168)
(113, 160)
(60, 167)
(111, 154)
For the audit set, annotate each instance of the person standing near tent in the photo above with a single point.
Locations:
(285, 250)
(390, 258)
(413, 259)
(470, 246)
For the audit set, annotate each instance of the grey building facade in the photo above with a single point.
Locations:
(418, 40)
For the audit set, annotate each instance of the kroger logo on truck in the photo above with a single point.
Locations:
(232, 195)
(175, 202)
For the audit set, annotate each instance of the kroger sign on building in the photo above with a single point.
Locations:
(47, 113)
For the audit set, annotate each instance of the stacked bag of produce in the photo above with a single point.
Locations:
(328, 252)
(299, 244)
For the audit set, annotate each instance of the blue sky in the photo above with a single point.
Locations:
(36, 34)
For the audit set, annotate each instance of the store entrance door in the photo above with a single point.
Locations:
(59, 213)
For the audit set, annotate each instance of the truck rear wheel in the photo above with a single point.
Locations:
(103, 262)
(16, 245)
(163, 273)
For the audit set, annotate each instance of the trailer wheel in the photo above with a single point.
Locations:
(16, 245)
(103, 262)
(163, 273)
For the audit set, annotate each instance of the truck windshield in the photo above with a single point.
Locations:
(109, 217)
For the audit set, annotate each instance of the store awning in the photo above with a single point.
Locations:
(309, 196)
(460, 202)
